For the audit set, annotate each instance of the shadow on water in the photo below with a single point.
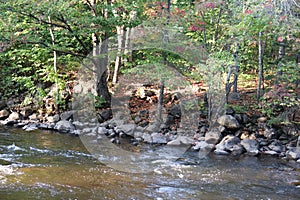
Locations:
(47, 165)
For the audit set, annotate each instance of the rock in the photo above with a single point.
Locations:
(158, 138)
(67, 115)
(175, 111)
(203, 129)
(53, 119)
(154, 127)
(33, 117)
(270, 133)
(245, 119)
(251, 146)
(2, 105)
(227, 142)
(4, 114)
(213, 136)
(181, 140)
(220, 152)
(102, 130)
(104, 115)
(276, 146)
(293, 153)
(203, 145)
(30, 127)
(270, 152)
(147, 138)
(64, 126)
(9, 122)
(229, 122)
(229, 111)
(26, 112)
(128, 128)
(238, 117)
(138, 134)
(14, 116)
(262, 120)
(230, 144)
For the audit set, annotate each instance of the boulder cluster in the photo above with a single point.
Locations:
(233, 134)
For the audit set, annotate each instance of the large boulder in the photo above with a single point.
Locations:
(127, 128)
(14, 116)
(67, 115)
(230, 144)
(64, 126)
(293, 153)
(158, 138)
(213, 136)
(4, 114)
(229, 122)
(251, 146)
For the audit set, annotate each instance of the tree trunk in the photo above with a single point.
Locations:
(100, 59)
(260, 70)
(54, 64)
(160, 102)
(121, 43)
(101, 73)
(281, 53)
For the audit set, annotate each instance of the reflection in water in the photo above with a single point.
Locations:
(45, 165)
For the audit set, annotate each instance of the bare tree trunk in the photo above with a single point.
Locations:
(281, 53)
(121, 43)
(260, 87)
(54, 64)
(127, 45)
(160, 102)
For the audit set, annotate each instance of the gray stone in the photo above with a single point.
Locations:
(154, 127)
(251, 146)
(102, 130)
(67, 115)
(14, 116)
(270, 152)
(26, 112)
(213, 136)
(138, 134)
(203, 145)
(229, 122)
(33, 117)
(104, 115)
(181, 140)
(276, 146)
(30, 127)
(293, 153)
(270, 133)
(53, 119)
(128, 128)
(230, 144)
(4, 114)
(64, 126)
(158, 138)
(147, 138)
(220, 152)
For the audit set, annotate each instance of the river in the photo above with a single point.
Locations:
(47, 165)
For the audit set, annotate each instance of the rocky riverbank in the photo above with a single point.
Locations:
(234, 135)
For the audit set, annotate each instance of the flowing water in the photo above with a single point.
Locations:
(47, 165)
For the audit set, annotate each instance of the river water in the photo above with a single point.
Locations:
(48, 165)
